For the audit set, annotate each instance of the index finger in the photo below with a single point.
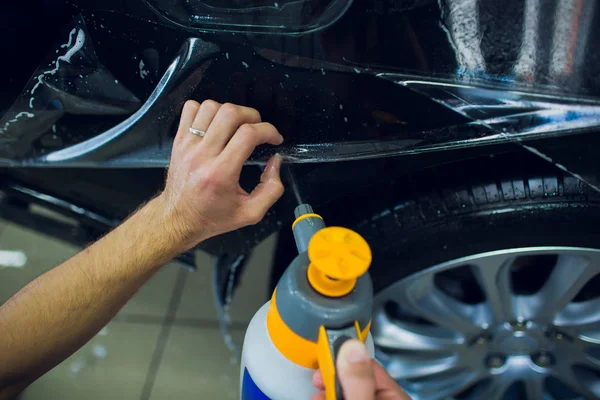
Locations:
(243, 143)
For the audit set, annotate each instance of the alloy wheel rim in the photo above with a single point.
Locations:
(470, 328)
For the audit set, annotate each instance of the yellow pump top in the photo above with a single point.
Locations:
(338, 256)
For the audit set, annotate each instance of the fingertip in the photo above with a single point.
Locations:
(355, 371)
(277, 161)
(278, 139)
(353, 352)
(273, 167)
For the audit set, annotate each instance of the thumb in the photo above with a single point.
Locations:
(355, 371)
(268, 191)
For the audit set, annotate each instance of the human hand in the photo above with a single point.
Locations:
(202, 196)
(361, 377)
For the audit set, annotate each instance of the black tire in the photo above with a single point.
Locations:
(460, 219)
(457, 210)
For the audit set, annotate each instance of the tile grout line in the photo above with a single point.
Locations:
(163, 337)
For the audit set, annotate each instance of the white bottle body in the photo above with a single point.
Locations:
(277, 377)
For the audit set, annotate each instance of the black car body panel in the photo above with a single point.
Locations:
(362, 91)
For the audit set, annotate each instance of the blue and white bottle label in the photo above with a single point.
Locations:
(249, 389)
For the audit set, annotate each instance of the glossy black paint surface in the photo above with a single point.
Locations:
(380, 79)
(422, 81)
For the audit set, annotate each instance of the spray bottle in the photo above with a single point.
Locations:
(324, 298)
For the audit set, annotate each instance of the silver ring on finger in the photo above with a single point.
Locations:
(196, 132)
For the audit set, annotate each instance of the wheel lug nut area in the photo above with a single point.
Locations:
(495, 361)
(543, 359)
(519, 325)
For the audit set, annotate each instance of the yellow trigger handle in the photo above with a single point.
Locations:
(328, 346)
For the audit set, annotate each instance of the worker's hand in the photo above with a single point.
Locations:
(361, 377)
(202, 194)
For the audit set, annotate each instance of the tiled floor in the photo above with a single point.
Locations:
(164, 344)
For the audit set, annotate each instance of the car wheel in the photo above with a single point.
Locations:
(489, 289)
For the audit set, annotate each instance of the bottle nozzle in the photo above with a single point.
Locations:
(338, 256)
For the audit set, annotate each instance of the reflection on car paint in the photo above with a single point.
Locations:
(486, 74)
(287, 17)
(76, 84)
(461, 24)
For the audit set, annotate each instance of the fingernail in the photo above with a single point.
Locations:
(276, 161)
(354, 351)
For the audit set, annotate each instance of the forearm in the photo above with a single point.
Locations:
(61, 310)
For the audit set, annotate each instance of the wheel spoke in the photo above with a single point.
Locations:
(534, 387)
(590, 362)
(579, 314)
(424, 299)
(588, 335)
(398, 335)
(493, 275)
(566, 280)
(412, 367)
(439, 346)
(495, 389)
(564, 372)
(444, 386)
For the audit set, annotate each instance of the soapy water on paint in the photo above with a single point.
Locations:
(143, 73)
(79, 41)
(21, 115)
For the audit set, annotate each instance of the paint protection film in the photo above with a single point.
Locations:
(288, 17)
(381, 79)
(70, 98)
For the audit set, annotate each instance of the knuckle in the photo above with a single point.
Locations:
(210, 105)
(278, 189)
(254, 217)
(254, 115)
(247, 134)
(270, 127)
(247, 130)
(191, 105)
(230, 110)
(209, 178)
